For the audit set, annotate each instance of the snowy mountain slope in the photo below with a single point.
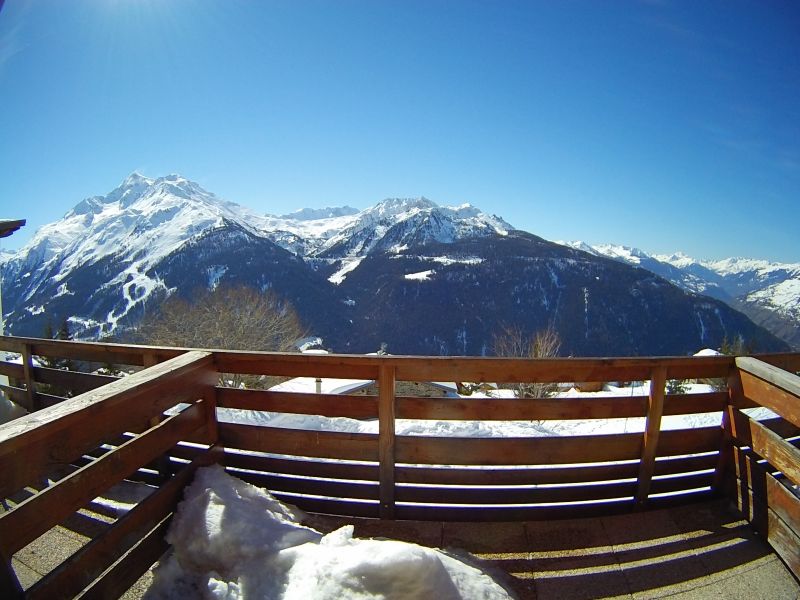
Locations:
(427, 279)
(769, 293)
(398, 222)
(106, 257)
(99, 261)
(451, 298)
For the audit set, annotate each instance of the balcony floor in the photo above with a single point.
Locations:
(692, 552)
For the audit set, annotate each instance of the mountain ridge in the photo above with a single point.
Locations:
(768, 292)
(111, 257)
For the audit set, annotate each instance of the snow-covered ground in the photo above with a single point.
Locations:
(233, 540)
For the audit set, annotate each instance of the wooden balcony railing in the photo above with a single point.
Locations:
(171, 415)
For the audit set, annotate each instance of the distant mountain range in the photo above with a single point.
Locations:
(767, 292)
(426, 279)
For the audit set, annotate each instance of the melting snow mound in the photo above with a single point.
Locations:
(233, 540)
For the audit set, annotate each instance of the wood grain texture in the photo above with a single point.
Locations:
(517, 451)
(655, 409)
(767, 444)
(328, 405)
(50, 438)
(769, 386)
(131, 566)
(300, 442)
(386, 439)
(83, 567)
(39, 513)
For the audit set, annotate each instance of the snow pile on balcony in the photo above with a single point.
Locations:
(233, 540)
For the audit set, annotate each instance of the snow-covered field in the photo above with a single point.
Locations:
(233, 540)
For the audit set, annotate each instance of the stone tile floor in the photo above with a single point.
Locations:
(693, 552)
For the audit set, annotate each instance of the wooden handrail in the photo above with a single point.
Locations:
(82, 422)
(766, 501)
(385, 475)
(769, 386)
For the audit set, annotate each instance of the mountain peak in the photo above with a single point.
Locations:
(395, 206)
(136, 178)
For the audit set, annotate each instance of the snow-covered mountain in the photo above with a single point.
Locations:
(425, 278)
(768, 292)
(104, 259)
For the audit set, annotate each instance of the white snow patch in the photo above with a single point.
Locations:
(35, 310)
(63, 291)
(348, 264)
(232, 540)
(421, 276)
(455, 260)
(215, 273)
(708, 352)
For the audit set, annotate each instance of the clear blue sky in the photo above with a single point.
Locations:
(662, 124)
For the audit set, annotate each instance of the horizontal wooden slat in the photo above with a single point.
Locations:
(10, 369)
(470, 368)
(83, 567)
(522, 409)
(131, 566)
(683, 499)
(685, 464)
(316, 487)
(298, 365)
(126, 354)
(788, 361)
(663, 485)
(513, 495)
(516, 476)
(38, 514)
(329, 405)
(687, 404)
(531, 476)
(421, 512)
(771, 387)
(307, 468)
(517, 451)
(519, 409)
(766, 489)
(326, 506)
(300, 442)
(546, 494)
(767, 444)
(781, 426)
(772, 509)
(74, 380)
(32, 445)
(673, 442)
(48, 400)
(555, 370)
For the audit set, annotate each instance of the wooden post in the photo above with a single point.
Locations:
(162, 463)
(386, 439)
(655, 408)
(735, 395)
(30, 384)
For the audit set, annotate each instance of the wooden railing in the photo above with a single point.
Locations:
(87, 443)
(766, 465)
